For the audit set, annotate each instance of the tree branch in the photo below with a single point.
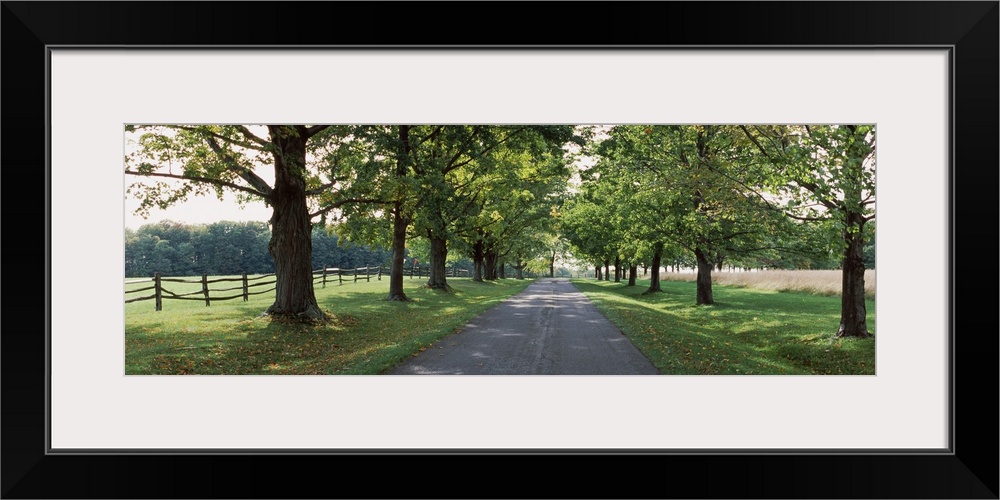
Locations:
(253, 137)
(315, 129)
(228, 140)
(754, 140)
(808, 219)
(244, 173)
(204, 180)
(345, 201)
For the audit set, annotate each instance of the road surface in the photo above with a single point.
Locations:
(550, 328)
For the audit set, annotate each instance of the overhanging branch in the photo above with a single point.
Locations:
(204, 180)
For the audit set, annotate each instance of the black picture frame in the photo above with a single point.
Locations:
(969, 470)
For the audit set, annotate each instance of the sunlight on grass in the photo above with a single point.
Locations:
(826, 282)
(747, 331)
(366, 334)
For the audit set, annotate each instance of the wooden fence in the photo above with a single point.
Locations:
(247, 286)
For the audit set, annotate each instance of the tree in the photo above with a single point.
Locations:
(827, 172)
(221, 158)
(684, 183)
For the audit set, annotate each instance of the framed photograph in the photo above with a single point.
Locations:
(925, 73)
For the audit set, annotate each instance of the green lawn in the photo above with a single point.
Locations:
(747, 331)
(366, 336)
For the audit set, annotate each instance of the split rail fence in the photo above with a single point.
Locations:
(250, 285)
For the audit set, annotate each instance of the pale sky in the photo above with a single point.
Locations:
(198, 210)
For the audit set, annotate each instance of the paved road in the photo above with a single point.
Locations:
(550, 328)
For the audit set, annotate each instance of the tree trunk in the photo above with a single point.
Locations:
(597, 272)
(399, 222)
(632, 271)
(704, 278)
(291, 228)
(477, 261)
(618, 269)
(607, 270)
(645, 269)
(501, 271)
(654, 278)
(490, 260)
(552, 265)
(438, 277)
(853, 314)
(519, 267)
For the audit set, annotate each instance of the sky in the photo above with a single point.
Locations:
(198, 210)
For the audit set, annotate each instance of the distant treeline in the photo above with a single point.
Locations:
(228, 248)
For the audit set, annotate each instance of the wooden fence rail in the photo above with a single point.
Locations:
(245, 284)
(205, 293)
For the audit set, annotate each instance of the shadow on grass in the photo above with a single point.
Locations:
(365, 334)
(746, 332)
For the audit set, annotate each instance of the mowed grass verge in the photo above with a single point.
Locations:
(748, 331)
(826, 283)
(366, 335)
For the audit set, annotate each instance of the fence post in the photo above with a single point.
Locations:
(158, 292)
(355, 274)
(324, 275)
(368, 275)
(412, 267)
(246, 291)
(204, 288)
(380, 273)
(340, 276)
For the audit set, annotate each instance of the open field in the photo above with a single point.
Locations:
(366, 336)
(748, 331)
(827, 283)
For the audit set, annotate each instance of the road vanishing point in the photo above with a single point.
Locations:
(550, 328)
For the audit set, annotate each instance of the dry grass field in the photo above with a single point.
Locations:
(826, 283)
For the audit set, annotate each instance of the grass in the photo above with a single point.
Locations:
(366, 336)
(826, 283)
(748, 331)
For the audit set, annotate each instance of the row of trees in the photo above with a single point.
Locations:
(790, 196)
(227, 248)
(750, 196)
(485, 192)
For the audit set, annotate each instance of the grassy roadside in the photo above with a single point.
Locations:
(748, 331)
(826, 283)
(367, 335)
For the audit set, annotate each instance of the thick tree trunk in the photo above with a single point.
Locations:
(552, 265)
(502, 274)
(519, 268)
(291, 228)
(399, 223)
(645, 269)
(705, 267)
(654, 277)
(853, 314)
(618, 269)
(597, 272)
(477, 261)
(632, 271)
(438, 278)
(607, 270)
(490, 261)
